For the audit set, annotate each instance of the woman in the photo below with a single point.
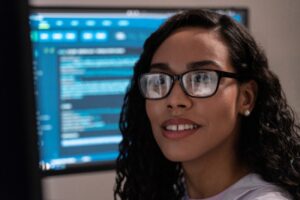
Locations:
(205, 118)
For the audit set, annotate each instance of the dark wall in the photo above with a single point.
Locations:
(19, 173)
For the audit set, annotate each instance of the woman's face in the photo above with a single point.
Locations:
(209, 124)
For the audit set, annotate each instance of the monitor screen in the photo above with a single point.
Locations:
(83, 61)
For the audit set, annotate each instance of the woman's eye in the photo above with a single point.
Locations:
(205, 78)
(160, 81)
(199, 78)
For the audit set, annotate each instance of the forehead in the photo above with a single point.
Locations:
(192, 44)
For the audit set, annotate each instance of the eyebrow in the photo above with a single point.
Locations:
(192, 65)
(202, 64)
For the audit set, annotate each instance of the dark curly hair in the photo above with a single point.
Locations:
(269, 138)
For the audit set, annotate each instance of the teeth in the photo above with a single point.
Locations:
(172, 128)
(181, 127)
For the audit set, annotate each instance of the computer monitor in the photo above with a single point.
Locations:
(83, 63)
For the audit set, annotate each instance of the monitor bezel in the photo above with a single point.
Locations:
(111, 165)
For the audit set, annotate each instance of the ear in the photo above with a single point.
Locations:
(247, 97)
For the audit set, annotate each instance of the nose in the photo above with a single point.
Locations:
(177, 99)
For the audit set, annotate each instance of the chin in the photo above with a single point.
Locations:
(178, 156)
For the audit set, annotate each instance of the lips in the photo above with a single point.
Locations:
(179, 128)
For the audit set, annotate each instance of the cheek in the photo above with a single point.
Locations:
(156, 115)
(224, 113)
(153, 112)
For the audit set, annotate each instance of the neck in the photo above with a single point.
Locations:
(212, 174)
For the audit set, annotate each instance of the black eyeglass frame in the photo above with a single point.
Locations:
(178, 77)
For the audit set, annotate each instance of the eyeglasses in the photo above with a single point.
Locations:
(195, 83)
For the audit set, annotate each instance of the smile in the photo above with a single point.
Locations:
(180, 127)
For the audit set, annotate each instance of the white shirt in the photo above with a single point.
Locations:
(250, 187)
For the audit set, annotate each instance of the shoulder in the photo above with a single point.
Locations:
(267, 193)
(253, 187)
